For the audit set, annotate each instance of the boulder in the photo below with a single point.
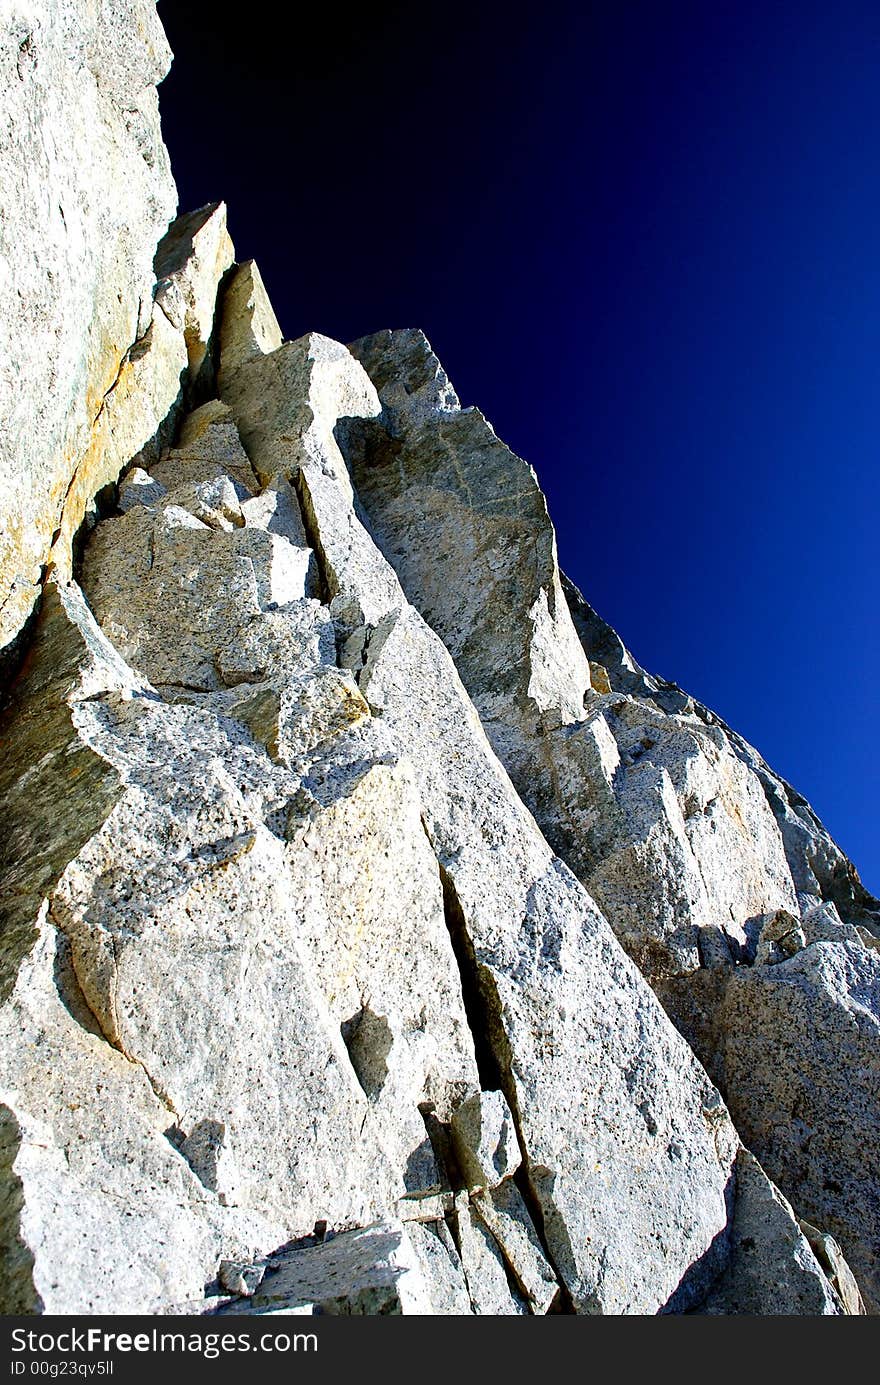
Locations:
(772, 1268)
(798, 1044)
(373, 1271)
(485, 1140)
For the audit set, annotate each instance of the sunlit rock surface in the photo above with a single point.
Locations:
(376, 935)
(86, 192)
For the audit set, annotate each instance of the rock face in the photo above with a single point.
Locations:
(769, 1256)
(751, 925)
(376, 936)
(86, 192)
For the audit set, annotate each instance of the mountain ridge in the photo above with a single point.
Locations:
(378, 937)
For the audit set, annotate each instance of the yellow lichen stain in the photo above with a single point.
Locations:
(45, 537)
(95, 467)
(354, 707)
(730, 800)
(39, 541)
(740, 820)
(599, 680)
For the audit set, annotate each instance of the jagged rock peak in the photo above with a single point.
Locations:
(411, 381)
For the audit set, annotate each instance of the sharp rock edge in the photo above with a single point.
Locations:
(377, 935)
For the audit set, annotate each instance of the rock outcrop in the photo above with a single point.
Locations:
(86, 192)
(376, 936)
(711, 870)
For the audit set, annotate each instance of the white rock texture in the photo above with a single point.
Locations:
(374, 1271)
(484, 1139)
(86, 192)
(770, 1255)
(546, 983)
(710, 868)
(347, 855)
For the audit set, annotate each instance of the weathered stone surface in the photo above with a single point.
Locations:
(86, 1146)
(207, 585)
(484, 1136)
(199, 882)
(462, 503)
(781, 936)
(489, 1286)
(201, 916)
(799, 1047)
(545, 976)
(293, 716)
(241, 1280)
(111, 1218)
(369, 1272)
(442, 1269)
(215, 569)
(248, 326)
(139, 488)
(54, 790)
(413, 384)
(348, 913)
(190, 263)
(504, 1213)
(819, 869)
(701, 858)
(208, 456)
(679, 846)
(20, 1294)
(217, 1058)
(396, 995)
(655, 814)
(837, 1271)
(137, 415)
(381, 1269)
(86, 192)
(599, 680)
(285, 959)
(426, 1205)
(772, 1268)
(287, 403)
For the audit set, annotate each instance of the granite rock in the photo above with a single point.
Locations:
(798, 1044)
(629, 1171)
(711, 870)
(86, 192)
(336, 822)
(770, 1256)
(485, 1140)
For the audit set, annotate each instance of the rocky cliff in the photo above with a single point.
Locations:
(377, 935)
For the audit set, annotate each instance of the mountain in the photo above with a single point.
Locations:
(377, 935)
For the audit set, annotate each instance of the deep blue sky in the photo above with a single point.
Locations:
(645, 239)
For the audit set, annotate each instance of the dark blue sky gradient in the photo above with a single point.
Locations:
(643, 237)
